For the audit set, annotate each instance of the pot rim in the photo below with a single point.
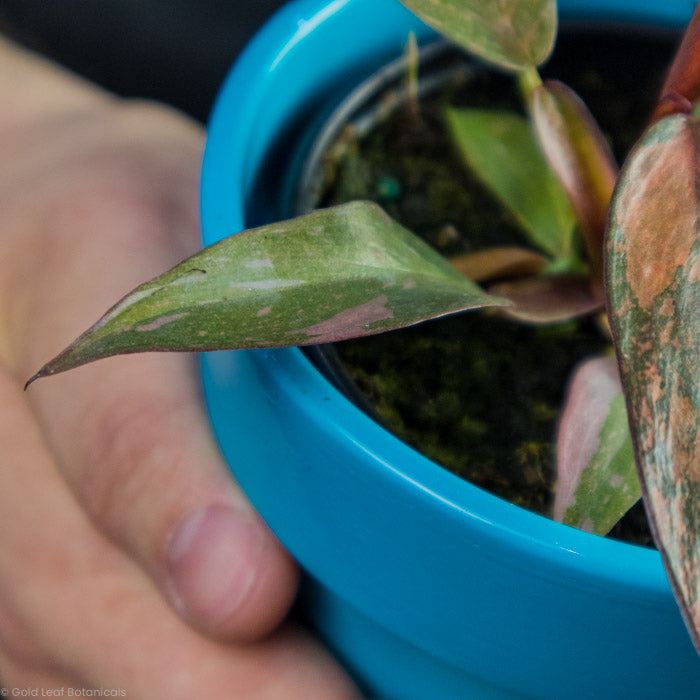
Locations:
(228, 174)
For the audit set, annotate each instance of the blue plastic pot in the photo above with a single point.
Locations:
(423, 585)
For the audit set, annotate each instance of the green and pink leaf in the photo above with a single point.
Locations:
(336, 273)
(596, 475)
(513, 34)
(653, 281)
(578, 152)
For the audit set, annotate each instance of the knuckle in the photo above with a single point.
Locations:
(146, 116)
(131, 455)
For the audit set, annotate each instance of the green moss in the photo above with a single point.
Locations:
(478, 394)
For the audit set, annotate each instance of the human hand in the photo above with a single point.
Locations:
(128, 557)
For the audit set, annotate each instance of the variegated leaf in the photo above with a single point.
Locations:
(596, 476)
(337, 273)
(653, 271)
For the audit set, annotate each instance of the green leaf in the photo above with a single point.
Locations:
(653, 280)
(581, 157)
(501, 149)
(513, 34)
(596, 476)
(337, 273)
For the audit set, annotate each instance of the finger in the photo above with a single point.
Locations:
(78, 611)
(143, 463)
(18, 679)
(130, 435)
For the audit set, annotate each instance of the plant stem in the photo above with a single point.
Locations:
(411, 52)
(528, 80)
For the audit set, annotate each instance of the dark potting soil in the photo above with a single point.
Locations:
(478, 394)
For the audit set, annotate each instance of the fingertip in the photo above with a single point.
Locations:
(228, 575)
(272, 594)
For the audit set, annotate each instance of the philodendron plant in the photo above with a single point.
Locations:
(600, 239)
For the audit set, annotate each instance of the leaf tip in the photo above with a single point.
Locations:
(33, 378)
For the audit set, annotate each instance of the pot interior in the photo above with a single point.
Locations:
(393, 378)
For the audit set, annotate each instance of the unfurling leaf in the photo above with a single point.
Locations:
(548, 298)
(577, 150)
(513, 34)
(653, 275)
(501, 149)
(596, 476)
(337, 273)
(498, 263)
(682, 85)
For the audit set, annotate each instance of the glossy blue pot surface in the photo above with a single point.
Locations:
(422, 584)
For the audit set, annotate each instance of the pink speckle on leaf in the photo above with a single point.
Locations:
(163, 320)
(350, 322)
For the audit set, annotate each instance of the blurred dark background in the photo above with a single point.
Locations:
(176, 51)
